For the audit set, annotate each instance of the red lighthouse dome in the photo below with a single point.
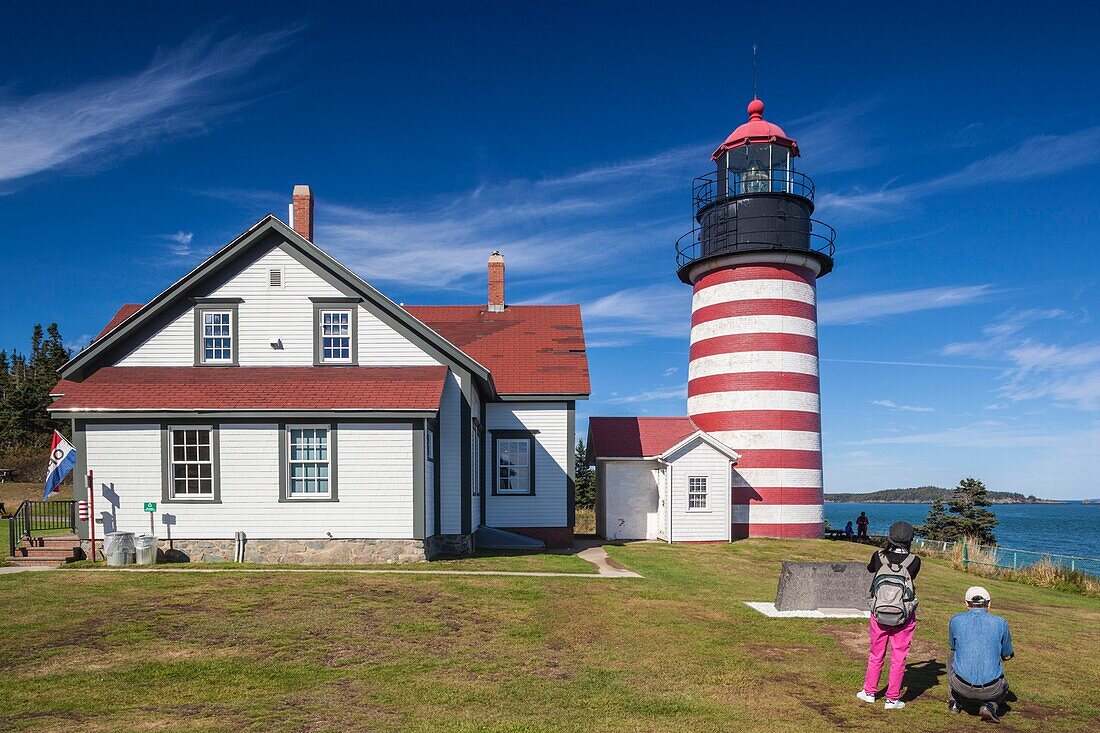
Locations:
(757, 130)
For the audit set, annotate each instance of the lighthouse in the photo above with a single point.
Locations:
(753, 258)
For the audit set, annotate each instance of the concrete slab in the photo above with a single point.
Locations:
(769, 610)
(10, 569)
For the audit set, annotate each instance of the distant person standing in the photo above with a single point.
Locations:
(893, 613)
(861, 522)
(979, 643)
(848, 531)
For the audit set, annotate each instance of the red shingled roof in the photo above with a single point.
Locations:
(255, 388)
(123, 313)
(636, 437)
(530, 349)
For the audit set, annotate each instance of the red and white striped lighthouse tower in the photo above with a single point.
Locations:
(753, 258)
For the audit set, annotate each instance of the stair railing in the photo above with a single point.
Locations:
(39, 516)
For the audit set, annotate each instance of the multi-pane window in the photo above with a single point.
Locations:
(336, 336)
(308, 462)
(217, 337)
(192, 464)
(697, 492)
(513, 466)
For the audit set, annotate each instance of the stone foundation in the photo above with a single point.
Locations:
(312, 552)
(449, 545)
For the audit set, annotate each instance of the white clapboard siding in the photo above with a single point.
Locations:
(630, 499)
(380, 345)
(374, 485)
(282, 316)
(450, 456)
(548, 507)
(696, 525)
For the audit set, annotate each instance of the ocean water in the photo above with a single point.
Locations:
(1061, 529)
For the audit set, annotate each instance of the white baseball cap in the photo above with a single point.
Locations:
(977, 594)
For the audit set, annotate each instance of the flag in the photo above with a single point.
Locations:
(62, 460)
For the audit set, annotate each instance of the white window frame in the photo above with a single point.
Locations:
(172, 463)
(529, 443)
(229, 325)
(705, 492)
(347, 313)
(290, 462)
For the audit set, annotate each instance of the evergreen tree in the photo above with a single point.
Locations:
(964, 516)
(937, 525)
(584, 478)
(25, 384)
(972, 518)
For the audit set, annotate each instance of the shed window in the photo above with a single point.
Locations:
(217, 337)
(308, 461)
(192, 464)
(697, 492)
(336, 336)
(513, 469)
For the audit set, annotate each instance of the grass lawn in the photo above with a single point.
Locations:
(513, 561)
(676, 651)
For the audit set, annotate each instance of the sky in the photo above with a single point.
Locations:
(956, 151)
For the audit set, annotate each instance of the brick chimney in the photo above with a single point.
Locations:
(496, 282)
(301, 211)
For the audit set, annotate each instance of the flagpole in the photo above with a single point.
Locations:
(91, 510)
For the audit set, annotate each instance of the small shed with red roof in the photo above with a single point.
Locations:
(660, 478)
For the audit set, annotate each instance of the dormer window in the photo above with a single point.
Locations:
(216, 332)
(335, 326)
(217, 337)
(336, 336)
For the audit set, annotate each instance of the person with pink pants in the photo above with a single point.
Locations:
(898, 638)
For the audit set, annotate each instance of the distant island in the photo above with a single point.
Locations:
(927, 494)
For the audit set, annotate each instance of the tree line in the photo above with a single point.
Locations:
(25, 383)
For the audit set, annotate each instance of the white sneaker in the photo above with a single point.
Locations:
(894, 704)
(865, 697)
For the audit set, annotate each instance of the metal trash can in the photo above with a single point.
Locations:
(145, 546)
(119, 548)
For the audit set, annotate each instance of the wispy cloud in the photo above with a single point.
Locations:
(669, 372)
(618, 217)
(890, 405)
(179, 244)
(981, 434)
(934, 365)
(678, 392)
(1033, 158)
(872, 306)
(180, 92)
(1066, 373)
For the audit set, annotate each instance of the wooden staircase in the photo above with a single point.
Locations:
(51, 551)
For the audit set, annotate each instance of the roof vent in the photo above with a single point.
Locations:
(275, 277)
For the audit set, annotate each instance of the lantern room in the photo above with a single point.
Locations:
(753, 200)
(758, 157)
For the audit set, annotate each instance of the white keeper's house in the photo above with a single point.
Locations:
(273, 392)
